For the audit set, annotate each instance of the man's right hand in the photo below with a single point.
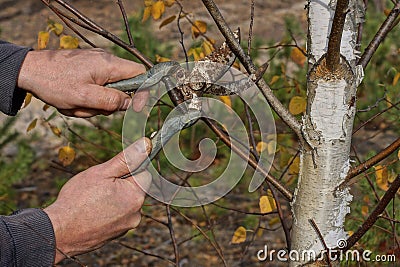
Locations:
(95, 206)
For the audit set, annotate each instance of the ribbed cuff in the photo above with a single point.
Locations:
(11, 59)
(30, 238)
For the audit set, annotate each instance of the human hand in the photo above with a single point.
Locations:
(94, 207)
(72, 80)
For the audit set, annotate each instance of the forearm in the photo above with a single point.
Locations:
(11, 59)
(26, 239)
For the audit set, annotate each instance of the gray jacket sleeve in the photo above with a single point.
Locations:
(27, 236)
(26, 239)
(11, 58)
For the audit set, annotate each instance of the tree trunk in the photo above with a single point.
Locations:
(328, 124)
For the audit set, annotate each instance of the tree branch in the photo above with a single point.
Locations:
(387, 197)
(335, 37)
(226, 31)
(372, 161)
(383, 31)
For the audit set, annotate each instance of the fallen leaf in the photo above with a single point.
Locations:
(45, 107)
(31, 125)
(239, 236)
(28, 99)
(56, 131)
(66, 155)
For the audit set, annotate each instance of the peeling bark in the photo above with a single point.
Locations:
(328, 125)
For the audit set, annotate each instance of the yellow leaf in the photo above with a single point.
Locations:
(169, 3)
(386, 11)
(162, 59)
(274, 79)
(66, 155)
(261, 146)
(157, 9)
(297, 105)
(69, 42)
(226, 99)
(43, 39)
(56, 131)
(273, 221)
(167, 21)
(148, 3)
(260, 232)
(199, 27)
(350, 233)
(31, 125)
(391, 177)
(381, 174)
(298, 56)
(295, 167)
(364, 211)
(207, 47)
(271, 148)
(146, 13)
(267, 204)
(398, 154)
(239, 236)
(55, 27)
(396, 79)
(28, 99)
(196, 53)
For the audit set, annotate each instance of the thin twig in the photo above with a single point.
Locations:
(144, 252)
(373, 160)
(250, 28)
(321, 238)
(126, 22)
(375, 116)
(252, 162)
(383, 31)
(203, 233)
(172, 234)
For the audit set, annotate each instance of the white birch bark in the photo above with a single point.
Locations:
(328, 123)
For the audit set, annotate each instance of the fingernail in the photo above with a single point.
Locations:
(127, 102)
(145, 146)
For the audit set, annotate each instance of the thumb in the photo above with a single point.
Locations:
(129, 159)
